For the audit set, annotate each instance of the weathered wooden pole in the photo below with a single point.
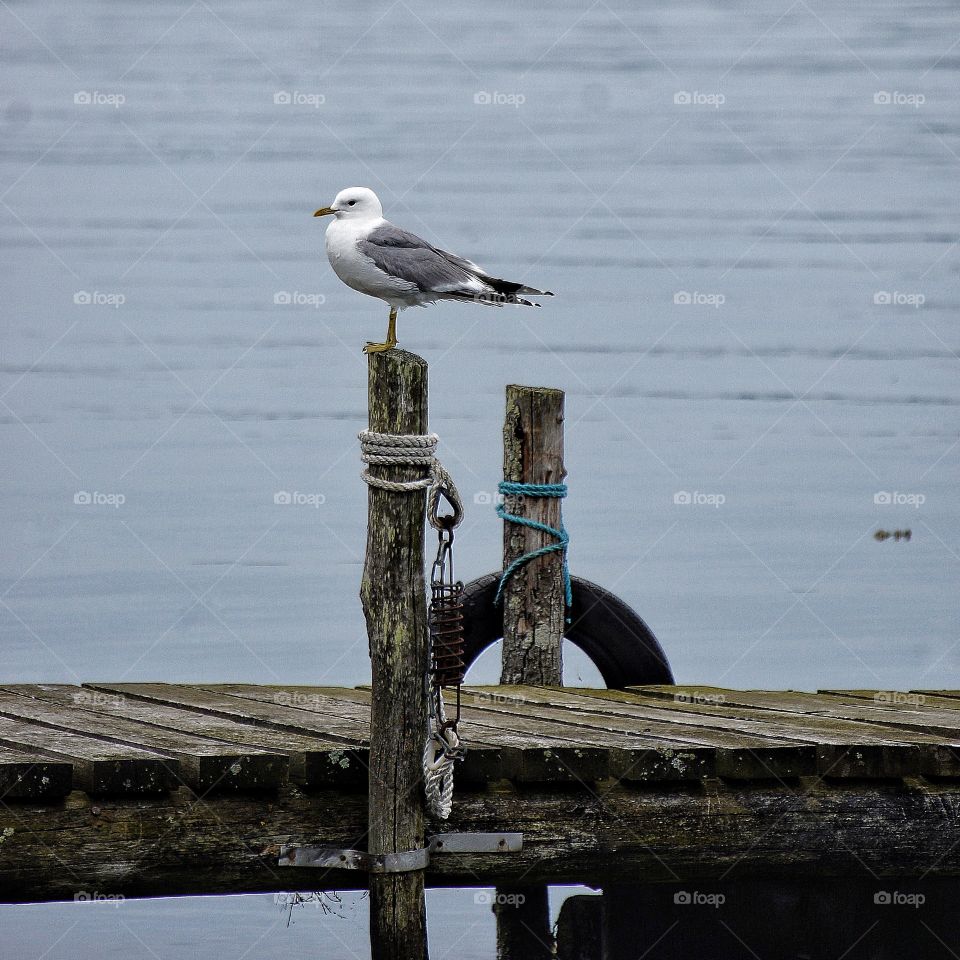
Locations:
(580, 928)
(523, 922)
(534, 611)
(394, 605)
(534, 605)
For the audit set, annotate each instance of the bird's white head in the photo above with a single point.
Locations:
(360, 203)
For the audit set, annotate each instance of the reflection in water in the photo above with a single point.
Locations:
(884, 918)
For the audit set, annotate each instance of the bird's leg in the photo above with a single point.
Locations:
(391, 336)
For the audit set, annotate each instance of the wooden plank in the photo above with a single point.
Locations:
(205, 764)
(875, 750)
(876, 696)
(635, 758)
(177, 845)
(660, 752)
(544, 751)
(313, 761)
(274, 714)
(351, 704)
(493, 754)
(738, 756)
(276, 708)
(29, 776)
(942, 722)
(844, 748)
(912, 700)
(529, 755)
(538, 750)
(99, 766)
(930, 716)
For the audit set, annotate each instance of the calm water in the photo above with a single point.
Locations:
(792, 173)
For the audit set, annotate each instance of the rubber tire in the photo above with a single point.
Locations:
(620, 645)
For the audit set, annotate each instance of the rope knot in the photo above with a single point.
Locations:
(412, 450)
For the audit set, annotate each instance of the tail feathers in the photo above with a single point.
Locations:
(533, 292)
(501, 286)
(491, 299)
(508, 287)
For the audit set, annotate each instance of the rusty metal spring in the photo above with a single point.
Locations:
(447, 642)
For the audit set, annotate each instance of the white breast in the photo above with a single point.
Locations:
(359, 271)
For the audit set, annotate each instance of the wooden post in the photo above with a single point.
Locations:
(394, 604)
(523, 923)
(533, 601)
(579, 928)
(534, 610)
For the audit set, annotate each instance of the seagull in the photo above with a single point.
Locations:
(373, 256)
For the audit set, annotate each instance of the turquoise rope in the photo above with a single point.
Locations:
(510, 488)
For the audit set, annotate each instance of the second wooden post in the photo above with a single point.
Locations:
(534, 605)
(534, 613)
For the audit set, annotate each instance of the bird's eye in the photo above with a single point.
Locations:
(350, 203)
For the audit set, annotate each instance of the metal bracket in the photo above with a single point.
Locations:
(475, 843)
(339, 859)
(334, 858)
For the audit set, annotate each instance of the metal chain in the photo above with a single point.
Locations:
(446, 636)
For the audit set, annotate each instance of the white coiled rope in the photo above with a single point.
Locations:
(413, 450)
(437, 766)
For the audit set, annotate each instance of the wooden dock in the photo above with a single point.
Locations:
(142, 789)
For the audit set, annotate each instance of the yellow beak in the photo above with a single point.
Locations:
(324, 211)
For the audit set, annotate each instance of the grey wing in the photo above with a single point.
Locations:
(407, 257)
(506, 288)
